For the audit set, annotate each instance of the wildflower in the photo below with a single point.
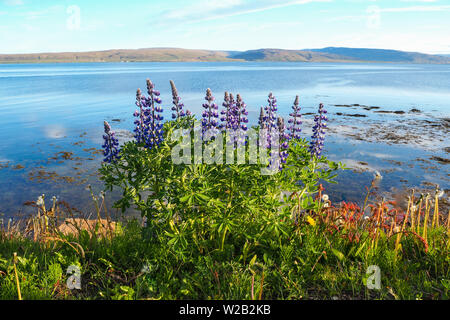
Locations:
(262, 119)
(325, 198)
(139, 131)
(177, 108)
(295, 120)
(284, 142)
(110, 145)
(311, 221)
(40, 201)
(154, 118)
(270, 119)
(377, 178)
(240, 114)
(226, 113)
(210, 114)
(318, 136)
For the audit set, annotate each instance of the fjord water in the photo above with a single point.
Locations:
(49, 111)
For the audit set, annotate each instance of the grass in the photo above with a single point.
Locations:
(327, 258)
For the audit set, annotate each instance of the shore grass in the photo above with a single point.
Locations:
(316, 263)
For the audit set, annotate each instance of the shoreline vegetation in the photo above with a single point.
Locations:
(330, 54)
(328, 257)
(227, 232)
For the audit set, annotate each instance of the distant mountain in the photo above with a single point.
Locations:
(127, 55)
(381, 55)
(330, 54)
(288, 55)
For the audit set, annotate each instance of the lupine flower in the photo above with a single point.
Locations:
(148, 125)
(262, 119)
(140, 130)
(240, 114)
(177, 108)
(271, 111)
(211, 113)
(154, 117)
(295, 121)
(284, 137)
(110, 145)
(318, 136)
(226, 113)
(271, 118)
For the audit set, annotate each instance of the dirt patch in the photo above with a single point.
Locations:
(73, 226)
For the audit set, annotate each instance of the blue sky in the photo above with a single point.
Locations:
(80, 25)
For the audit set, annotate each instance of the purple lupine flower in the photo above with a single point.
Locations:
(262, 119)
(111, 145)
(211, 114)
(240, 114)
(318, 136)
(140, 122)
(284, 140)
(154, 118)
(226, 112)
(271, 117)
(148, 123)
(177, 108)
(295, 121)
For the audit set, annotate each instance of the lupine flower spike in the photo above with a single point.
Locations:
(284, 140)
(111, 145)
(140, 122)
(295, 121)
(271, 118)
(210, 114)
(177, 108)
(226, 112)
(318, 136)
(262, 119)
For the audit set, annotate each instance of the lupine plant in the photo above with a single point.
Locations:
(199, 207)
(110, 145)
(178, 106)
(211, 114)
(318, 137)
(295, 121)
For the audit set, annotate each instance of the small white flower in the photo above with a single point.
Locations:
(397, 229)
(40, 200)
(325, 198)
(378, 176)
(326, 205)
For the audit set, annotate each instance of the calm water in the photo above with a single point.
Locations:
(49, 109)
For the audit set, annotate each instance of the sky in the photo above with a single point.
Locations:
(32, 26)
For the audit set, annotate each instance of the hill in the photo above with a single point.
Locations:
(131, 55)
(381, 55)
(330, 54)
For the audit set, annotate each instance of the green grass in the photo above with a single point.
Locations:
(306, 267)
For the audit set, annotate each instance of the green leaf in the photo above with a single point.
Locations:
(338, 254)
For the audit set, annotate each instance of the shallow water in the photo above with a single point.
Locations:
(49, 109)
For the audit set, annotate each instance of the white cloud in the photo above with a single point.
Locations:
(417, 9)
(13, 2)
(202, 8)
(238, 9)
